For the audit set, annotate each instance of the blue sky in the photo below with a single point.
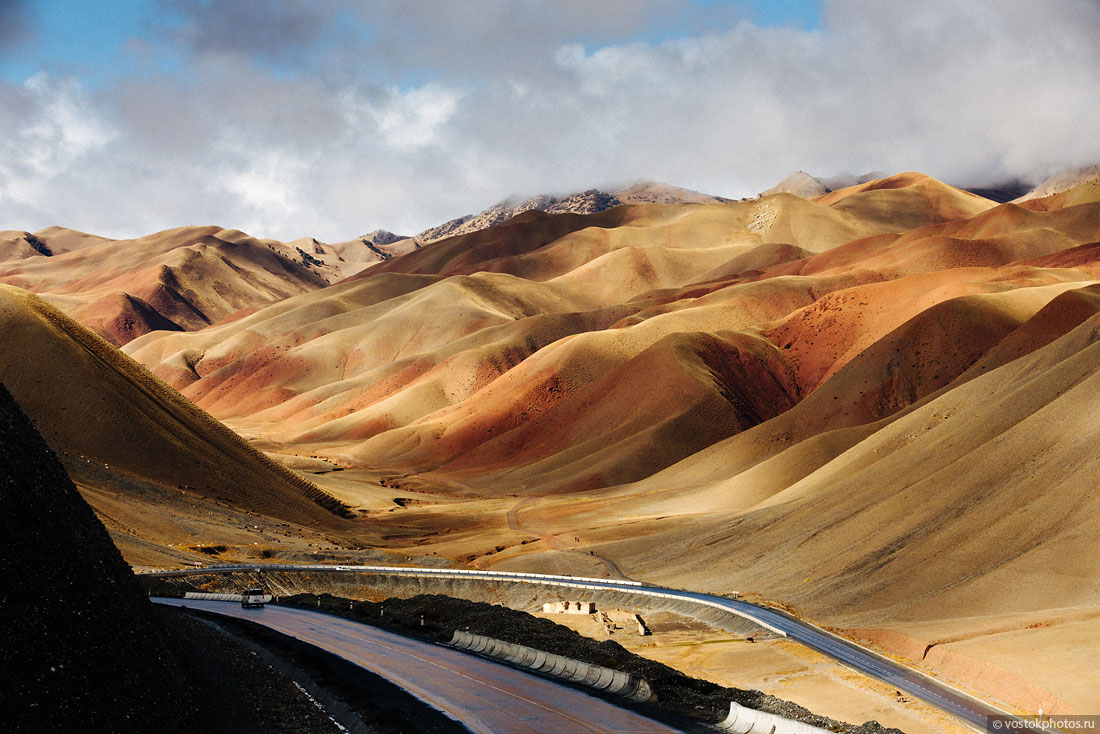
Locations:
(81, 38)
(94, 41)
(331, 118)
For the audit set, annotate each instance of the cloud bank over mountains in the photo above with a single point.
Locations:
(334, 118)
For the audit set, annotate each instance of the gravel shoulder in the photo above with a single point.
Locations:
(233, 687)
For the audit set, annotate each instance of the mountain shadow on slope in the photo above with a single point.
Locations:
(81, 648)
(84, 651)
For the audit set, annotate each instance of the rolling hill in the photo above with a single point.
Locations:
(123, 432)
(871, 406)
(178, 280)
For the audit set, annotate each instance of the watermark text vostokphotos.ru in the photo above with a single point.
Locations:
(1047, 723)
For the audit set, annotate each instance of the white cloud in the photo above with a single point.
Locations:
(49, 131)
(64, 128)
(414, 118)
(493, 101)
(268, 182)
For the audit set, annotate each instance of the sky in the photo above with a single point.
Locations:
(332, 118)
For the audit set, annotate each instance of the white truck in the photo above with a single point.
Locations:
(252, 598)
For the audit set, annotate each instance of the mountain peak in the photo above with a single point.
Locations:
(590, 201)
(803, 184)
(382, 237)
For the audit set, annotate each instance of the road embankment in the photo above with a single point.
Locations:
(436, 617)
(378, 586)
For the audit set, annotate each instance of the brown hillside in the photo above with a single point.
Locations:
(181, 279)
(97, 406)
(16, 245)
(529, 369)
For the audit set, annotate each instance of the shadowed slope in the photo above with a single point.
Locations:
(81, 648)
(96, 405)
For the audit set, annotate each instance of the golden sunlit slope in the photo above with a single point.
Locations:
(367, 371)
(371, 364)
(372, 354)
(811, 344)
(180, 279)
(950, 510)
(525, 376)
(16, 245)
(906, 201)
(96, 406)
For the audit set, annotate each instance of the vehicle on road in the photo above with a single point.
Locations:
(252, 598)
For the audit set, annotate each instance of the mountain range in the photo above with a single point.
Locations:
(869, 403)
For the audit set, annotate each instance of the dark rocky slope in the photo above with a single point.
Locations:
(82, 650)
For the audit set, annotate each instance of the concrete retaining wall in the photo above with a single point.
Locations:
(593, 676)
(743, 720)
(219, 597)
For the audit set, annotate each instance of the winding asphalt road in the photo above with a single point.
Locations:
(974, 711)
(488, 698)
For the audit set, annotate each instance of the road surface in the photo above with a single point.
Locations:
(485, 696)
(967, 708)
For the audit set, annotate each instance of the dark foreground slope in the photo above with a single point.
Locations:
(81, 648)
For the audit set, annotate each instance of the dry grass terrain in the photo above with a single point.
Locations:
(124, 434)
